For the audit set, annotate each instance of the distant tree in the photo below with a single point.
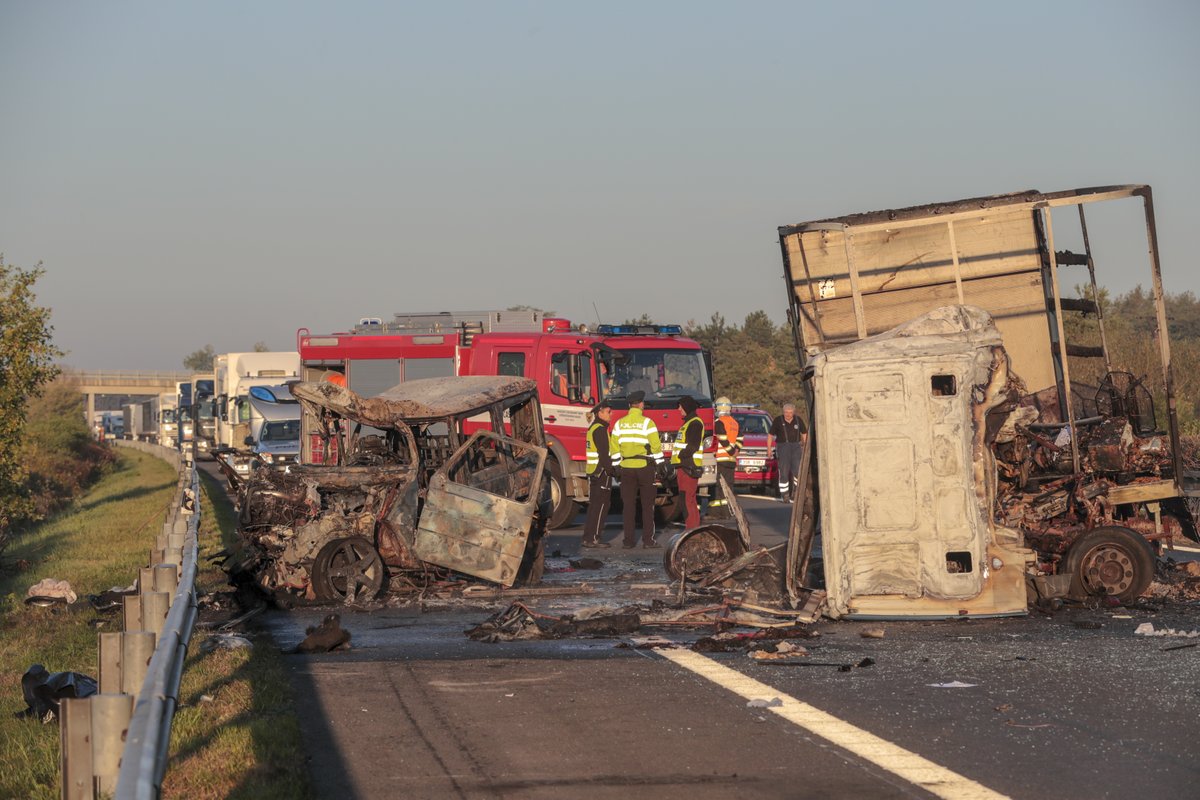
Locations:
(542, 311)
(202, 360)
(27, 355)
(261, 347)
(644, 319)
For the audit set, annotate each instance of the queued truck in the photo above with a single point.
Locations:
(973, 456)
(166, 415)
(203, 415)
(574, 368)
(235, 373)
(183, 414)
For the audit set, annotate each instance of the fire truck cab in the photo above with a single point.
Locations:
(574, 368)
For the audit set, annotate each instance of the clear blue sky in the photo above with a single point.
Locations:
(226, 172)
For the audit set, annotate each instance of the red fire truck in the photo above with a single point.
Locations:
(574, 367)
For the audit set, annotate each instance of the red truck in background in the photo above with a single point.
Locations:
(574, 368)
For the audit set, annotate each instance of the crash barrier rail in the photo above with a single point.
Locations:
(115, 742)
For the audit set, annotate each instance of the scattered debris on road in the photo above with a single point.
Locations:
(1148, 629)
(326, 637)
(49, 592)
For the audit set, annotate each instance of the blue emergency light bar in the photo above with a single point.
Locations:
(639, 330)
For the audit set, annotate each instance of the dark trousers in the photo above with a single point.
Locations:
(719, 508)
(787, 456)
(638, 482)
(599, 503)
(687, 488)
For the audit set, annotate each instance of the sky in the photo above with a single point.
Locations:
(226, 172)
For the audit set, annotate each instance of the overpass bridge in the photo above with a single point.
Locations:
(121, 382)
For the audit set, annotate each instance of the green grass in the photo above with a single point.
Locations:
(99, 542)
(242, 742)
(235, 734)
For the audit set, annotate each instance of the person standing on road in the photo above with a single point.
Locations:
(728, 444)
(689, 460)
(786, 440)
(636, 440)
(602, 460)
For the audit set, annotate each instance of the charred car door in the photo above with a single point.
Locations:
(479, 508)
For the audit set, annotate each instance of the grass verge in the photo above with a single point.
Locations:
(235, 734)
(99, 542)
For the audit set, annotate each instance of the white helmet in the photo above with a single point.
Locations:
(723, 404)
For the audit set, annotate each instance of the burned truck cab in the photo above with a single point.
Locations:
(906, 493)
(411, 498)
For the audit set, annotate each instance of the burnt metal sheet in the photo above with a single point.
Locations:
(416, 401)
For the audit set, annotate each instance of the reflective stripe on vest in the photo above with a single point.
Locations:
(593, 456)
(637, 439)
(726, 441)
(681, 443)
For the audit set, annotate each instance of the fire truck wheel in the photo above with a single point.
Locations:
(347, 570)
(1111, 561)
(534, 562)
(564, 506)
(670, 511)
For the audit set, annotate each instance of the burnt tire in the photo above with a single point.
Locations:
(1111, 561)
(699, 550)
(533, 564)
(563, 507)
(347, 570)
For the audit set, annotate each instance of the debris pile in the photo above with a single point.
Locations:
(43, 690)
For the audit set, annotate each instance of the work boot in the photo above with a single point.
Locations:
(651, 545)
(628, 545)
(594, 545)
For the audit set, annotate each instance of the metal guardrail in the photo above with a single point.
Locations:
(94, 762)
(145, 758)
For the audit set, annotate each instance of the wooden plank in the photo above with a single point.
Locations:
(889, 260)
(1143, 492)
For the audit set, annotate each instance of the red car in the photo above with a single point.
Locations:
(755, 471)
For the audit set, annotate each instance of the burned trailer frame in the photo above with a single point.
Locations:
(853, 277)
(412, 497)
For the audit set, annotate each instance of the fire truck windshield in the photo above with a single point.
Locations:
(660, 374)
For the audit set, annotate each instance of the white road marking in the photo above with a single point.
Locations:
(911, 767)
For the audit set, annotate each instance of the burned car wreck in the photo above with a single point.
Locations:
(433, 478)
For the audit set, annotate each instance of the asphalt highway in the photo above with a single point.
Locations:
(1072, 705)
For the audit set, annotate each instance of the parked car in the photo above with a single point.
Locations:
(412, 498)
(755, 470)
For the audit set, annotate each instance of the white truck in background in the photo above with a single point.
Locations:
(165, 414)
(235, 373)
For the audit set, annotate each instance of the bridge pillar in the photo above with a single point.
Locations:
(91, 410)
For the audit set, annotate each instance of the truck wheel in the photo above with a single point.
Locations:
(534, 562)
(1111, 561)
(701, 549)
(564, 507)
(347, 570)
(670, 511)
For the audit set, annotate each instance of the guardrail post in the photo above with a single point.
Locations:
(109, 658)
(154, 611)
(136, 651)
(133, 613)
(110, 721)
(75, 748)
(166, 579)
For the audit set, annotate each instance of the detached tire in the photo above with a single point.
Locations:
(347, 570)
(1111, 561)
(563, 507)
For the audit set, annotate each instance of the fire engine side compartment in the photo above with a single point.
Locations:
(907, 480)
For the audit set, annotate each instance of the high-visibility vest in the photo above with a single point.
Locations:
(636, 439)
(681, 442)
(729, 441)
(593, 455)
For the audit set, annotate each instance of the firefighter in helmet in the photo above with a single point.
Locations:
(728, 443)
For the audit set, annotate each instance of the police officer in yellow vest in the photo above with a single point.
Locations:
(729, 441)
(688, 458)
(602, 461)
(636, 439)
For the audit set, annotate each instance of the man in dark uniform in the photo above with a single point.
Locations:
(601, 467)
(786, 437)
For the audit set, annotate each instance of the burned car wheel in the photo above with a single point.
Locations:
(347, 570)
(1111, 561)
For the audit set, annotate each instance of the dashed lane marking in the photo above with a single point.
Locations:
(909, 766)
